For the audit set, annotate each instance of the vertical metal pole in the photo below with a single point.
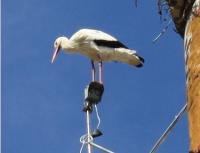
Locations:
(88, 120)
(87, 138)
(88, 131)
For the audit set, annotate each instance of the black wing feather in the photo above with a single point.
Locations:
(110, 43)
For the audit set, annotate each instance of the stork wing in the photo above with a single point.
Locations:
(89, 34)
(119, 51)
(128, 56)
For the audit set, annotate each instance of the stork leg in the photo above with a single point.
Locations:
(93, 71)
(100, 73)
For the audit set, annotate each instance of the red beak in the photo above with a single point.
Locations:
(57, 49)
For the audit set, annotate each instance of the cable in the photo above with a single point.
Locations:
(98, 117)
(82, 147)
(85, 139)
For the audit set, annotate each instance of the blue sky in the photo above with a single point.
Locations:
(42, 102)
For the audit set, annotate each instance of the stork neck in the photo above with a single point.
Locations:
(69, 45)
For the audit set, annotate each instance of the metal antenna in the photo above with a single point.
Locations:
(168, 130)
(93, 94)
(88, 131)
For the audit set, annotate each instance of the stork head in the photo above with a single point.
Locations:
(58, 45)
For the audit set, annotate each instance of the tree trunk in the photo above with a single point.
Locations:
(192, 55)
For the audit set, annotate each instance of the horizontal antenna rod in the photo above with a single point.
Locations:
(100, 147)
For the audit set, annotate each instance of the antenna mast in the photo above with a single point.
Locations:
(93, 93)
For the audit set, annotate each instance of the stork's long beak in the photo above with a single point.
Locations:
(57, 49)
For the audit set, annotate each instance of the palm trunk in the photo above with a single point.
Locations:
(186, 16)
(192, 54)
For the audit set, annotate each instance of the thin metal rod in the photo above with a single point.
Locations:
(88, 131)
(100, 147)
(168, 130)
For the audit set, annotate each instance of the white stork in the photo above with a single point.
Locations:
(99, 47)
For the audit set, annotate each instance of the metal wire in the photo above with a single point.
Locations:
(85, 139)
(82, 147)
(98, 117)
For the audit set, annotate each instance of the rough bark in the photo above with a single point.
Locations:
(192, 50)
(186, 16)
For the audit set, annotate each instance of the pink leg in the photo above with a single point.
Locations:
(93, 71)
(100, 73)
